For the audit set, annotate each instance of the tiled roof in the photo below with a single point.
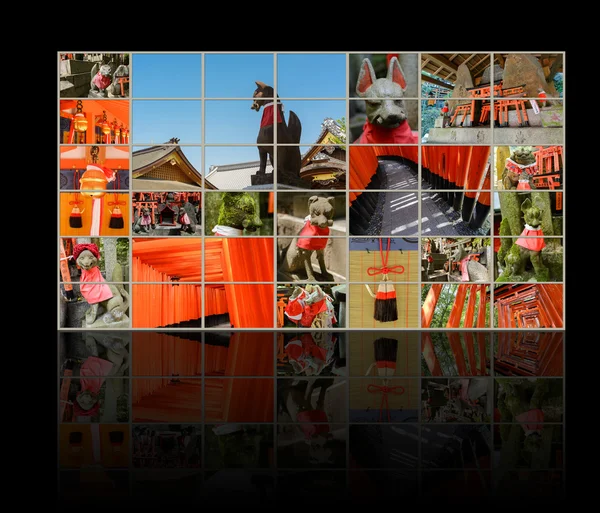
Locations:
(143, 185)
(235, 176)
(145, 157)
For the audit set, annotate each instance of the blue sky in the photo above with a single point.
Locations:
(230, 121)
(166, 76)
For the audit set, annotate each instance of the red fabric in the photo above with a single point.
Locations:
(101, 81)
(93, 373)
(294, 350)
(311, 311)
(463, 267)
(402, 134)
(94, 292)
(267, 117)
(385, 364)
(78, 248)
(523, 185)
(444, 109)
(294, 310)
(311, 430)
(531, 244)
(306, 240)
(533, 418)
(386, 295)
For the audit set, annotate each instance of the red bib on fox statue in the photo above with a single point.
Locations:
(402, 134)
(305, 237)
(267, 117)
(532, 244)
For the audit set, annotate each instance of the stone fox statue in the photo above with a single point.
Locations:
(288, 157)
(238, 212)
(386, 112)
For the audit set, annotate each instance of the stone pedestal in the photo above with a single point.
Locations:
(261, 179)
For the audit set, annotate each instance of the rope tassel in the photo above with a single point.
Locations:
(386, 306)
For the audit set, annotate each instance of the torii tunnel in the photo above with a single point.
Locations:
(531, 305)
(462, 172)
(174, 269)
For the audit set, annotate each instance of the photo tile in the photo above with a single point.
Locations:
(321, 166)
(456, 169)
(459, 484)
(166, 260)
(526, 168)
(469, 217)
(310, 354)
(456, 446)
(239, 399)
(237, 305)
(461, 259)
(311, 446)
(166, 446)
(296, 76)
(528, 305)
(77, 258)
(243, 259)
(528, 447)
(236, 214)
(456, 75)
(323, 258)
(99, 353)
(518, 353)
(167, 305)
(540, 121)
(529, 401)
(94, 213)
(311, 400)
(155, 75)
(234, 168)
(94, 75)
(326, 486)
(96, 396)
(106, 487)
(530, 231)
(365, 484)
(93, 445)
(162, 122)
(384, 353)
(540, 76)
(446, 305)
(311, 305)
(457, 400)
(233, 75)
(311, 214)
(382, 399)
(239, 353)
(398, 79)
(392, 259)
(456, 353)
(382, 447)
(178, 487)
(247, 446)
(94, 122)
(388, 305)
(167, 400)
(523, 483)
(384, 167)
(166, 354)
(166, 214)
(94, 168)
(167, 173)
(392, 214)
(380, 120)
(238, 487)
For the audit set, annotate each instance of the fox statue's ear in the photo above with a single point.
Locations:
(395, 73)
(366, 77)
(262, 85)
(525, 205)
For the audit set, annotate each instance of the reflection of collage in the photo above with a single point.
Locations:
(174, 405)
(284, 265)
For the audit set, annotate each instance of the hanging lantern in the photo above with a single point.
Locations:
(79, 121)
(93, 181)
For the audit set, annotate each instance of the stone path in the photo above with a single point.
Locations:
(439, 219)
(399, 175)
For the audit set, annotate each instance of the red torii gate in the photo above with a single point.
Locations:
(530, 305)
